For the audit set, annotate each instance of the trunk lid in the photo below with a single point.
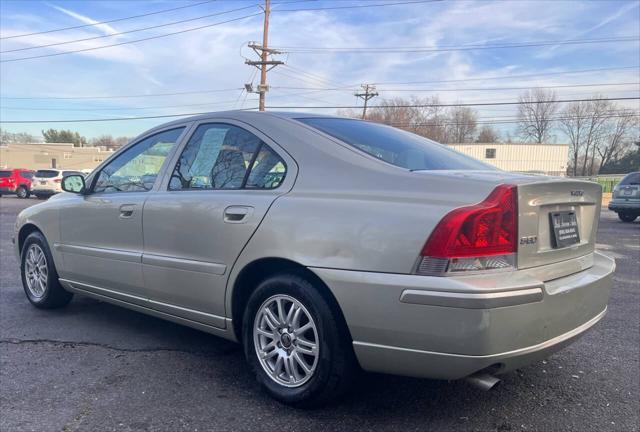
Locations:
(550, 212)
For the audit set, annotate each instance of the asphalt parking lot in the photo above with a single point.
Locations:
(93, 366)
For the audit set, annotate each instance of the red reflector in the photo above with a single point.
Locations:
(487, 228)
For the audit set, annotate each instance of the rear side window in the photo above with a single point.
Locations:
(5, 174)
(395, 146)
(631, 179)
(46, 173)
(223, 156)
(27, 174)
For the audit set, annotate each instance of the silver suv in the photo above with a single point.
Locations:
(626, 197)
(325, 245)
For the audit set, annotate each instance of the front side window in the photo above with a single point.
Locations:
(136, 169)
(395, 146)
(222, 156)
(4, 174)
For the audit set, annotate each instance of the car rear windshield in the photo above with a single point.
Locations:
(68, 173)
(631, 179)
(395, 146)
(46, 173)
(5, 174)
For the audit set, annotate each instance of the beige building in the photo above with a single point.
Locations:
(548, 159)
(51, 155)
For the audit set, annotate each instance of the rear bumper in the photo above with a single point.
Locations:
(618, 205)
(38, 191)
(449, 328)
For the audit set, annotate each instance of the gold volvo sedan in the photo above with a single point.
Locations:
(326, 245)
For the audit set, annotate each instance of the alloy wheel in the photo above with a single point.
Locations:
(286, 340)
(36, 270)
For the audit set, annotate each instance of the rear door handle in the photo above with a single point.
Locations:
(126, 210)
(237, 214)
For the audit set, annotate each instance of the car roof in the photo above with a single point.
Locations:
(243, 115)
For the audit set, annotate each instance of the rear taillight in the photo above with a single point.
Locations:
(475, 238)
(58, 180)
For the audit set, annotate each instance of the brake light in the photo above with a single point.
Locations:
(477, 237)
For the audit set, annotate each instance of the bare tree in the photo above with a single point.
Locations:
(584, 123)
(535, 114)
(619, 137)
(461, 124)
(488, 135)
(109, 142)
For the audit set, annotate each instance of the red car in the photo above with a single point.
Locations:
(16, 181)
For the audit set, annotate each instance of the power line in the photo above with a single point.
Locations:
(360, 6)
(128, 31)
(455, 104)
(346, 87)
(320, 107)
(471, 89)
(120, 96)
(131, 41)
(512, 76)
(107, 21)
(365, 50)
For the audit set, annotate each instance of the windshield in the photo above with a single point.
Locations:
(395, 146)
(46, 173)
(631, 179)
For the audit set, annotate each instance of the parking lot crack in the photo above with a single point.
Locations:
(72, 344)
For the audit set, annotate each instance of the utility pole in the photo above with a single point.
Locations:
(369, 93)
(263, 52)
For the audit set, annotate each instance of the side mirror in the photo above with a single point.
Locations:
(74, 184)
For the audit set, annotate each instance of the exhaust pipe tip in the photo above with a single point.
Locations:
(483, 381)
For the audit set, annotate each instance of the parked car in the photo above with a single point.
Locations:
(46, 182)
(626, 197)
(325, 245)
(16, 181)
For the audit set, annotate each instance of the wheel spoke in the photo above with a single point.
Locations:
(306, 347)
(303, 329)
(265, 333)
(272, 320)
(302, 363)
(290, 314)
(281, 316)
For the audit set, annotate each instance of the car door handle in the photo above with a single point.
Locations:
(237, 214)
(126, 210)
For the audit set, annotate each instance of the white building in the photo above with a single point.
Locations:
(548, 159)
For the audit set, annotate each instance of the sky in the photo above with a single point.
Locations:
(205, 62)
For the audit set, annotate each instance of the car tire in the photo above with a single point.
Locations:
(627, 217)
(22, 192)
(39, 275)
(328, 372)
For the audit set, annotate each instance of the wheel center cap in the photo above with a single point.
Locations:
(285, 339)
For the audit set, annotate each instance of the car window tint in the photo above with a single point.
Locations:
(268, 170)
(395, 146)
(216, 157)
(631, 179)
(136, 169)
(5, 173)
(47, 173)
(68, 173)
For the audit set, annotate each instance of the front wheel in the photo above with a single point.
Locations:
(295, 344)
(23, 192)
(627, 217)
(39, 275)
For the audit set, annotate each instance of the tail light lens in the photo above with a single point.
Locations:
(58, 180)
(475, 238)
